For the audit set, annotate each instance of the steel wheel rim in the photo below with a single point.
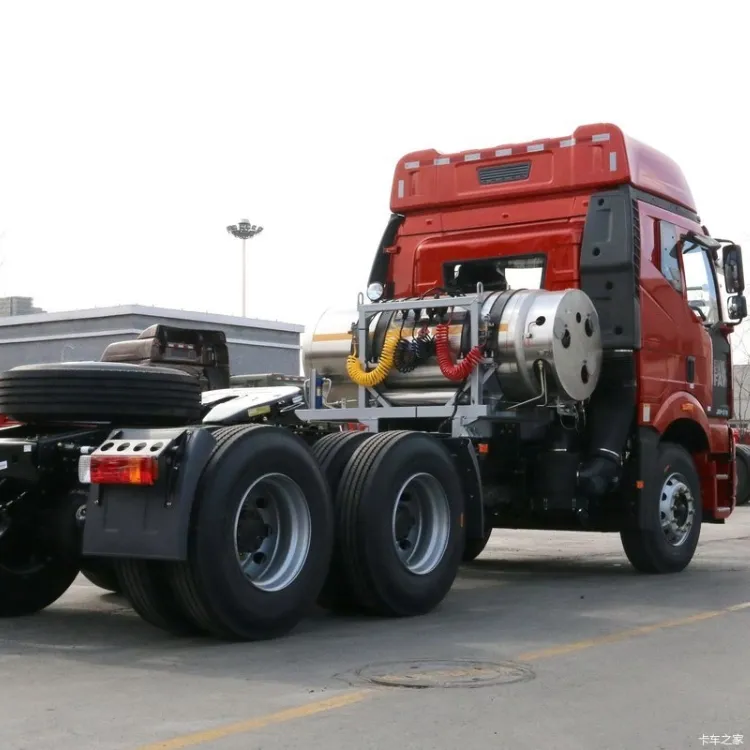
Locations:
(272, 532)
(676, 509)
(421, 523)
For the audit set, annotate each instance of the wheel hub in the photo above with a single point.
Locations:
(405, 523)
(421, 524)
(272, 532)
(676, 509)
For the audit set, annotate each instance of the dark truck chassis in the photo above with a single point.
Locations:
(221, 513)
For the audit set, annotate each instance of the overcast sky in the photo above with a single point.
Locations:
(132, 133)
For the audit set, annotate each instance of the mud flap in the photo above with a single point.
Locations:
(465, 458)
(149, 522)
(641, 479)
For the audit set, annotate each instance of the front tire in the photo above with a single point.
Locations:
(675, 516)
(261, 536)
(400, 504)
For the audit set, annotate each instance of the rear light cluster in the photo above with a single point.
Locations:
(134, 462)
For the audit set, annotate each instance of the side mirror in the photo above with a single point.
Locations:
(736, 308)
(734, 277)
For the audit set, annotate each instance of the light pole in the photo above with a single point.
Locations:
(244, 231)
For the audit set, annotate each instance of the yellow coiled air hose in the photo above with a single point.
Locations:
(385, 362)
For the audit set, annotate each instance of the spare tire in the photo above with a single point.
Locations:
(742, 467)
(100, 391)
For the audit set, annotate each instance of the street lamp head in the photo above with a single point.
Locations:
(244, 230)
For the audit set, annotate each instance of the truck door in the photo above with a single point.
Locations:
(702, 296)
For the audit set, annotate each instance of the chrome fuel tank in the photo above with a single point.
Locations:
(559, 328)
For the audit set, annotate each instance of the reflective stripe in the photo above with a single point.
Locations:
(567, 143)
(535, 147)
(400, 188)
(411, 165)
(442, 160)
(600, 137)
(504, 152)
(472, 157)
(612, 161)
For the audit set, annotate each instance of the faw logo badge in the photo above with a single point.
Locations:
(720, 374)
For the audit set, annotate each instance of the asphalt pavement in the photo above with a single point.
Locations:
(549, 640)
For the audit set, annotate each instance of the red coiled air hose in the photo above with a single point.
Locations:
(442, 349)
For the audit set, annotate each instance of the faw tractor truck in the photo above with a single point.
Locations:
(544, 343)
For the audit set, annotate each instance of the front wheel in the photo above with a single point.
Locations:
(675, 515)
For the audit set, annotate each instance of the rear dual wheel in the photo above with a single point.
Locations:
(31, 585)
(34, 572)
(259, 547)
(261, 536)
(102, 573)
(399, 539)
(333, 452)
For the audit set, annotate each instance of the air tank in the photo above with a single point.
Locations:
(519, 328)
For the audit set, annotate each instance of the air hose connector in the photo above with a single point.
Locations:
(450, 370)
(362, 377)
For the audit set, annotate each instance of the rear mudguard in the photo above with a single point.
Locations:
(640, 479)
(465, 458)
(149, 522)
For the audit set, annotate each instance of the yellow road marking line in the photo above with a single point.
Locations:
(348, 699)
(623, 635)
(260, 722)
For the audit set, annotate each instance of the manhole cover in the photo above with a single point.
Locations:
(443, 674)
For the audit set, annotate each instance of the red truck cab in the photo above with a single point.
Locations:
(604, 213)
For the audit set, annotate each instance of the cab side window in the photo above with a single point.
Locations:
(669, 254)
